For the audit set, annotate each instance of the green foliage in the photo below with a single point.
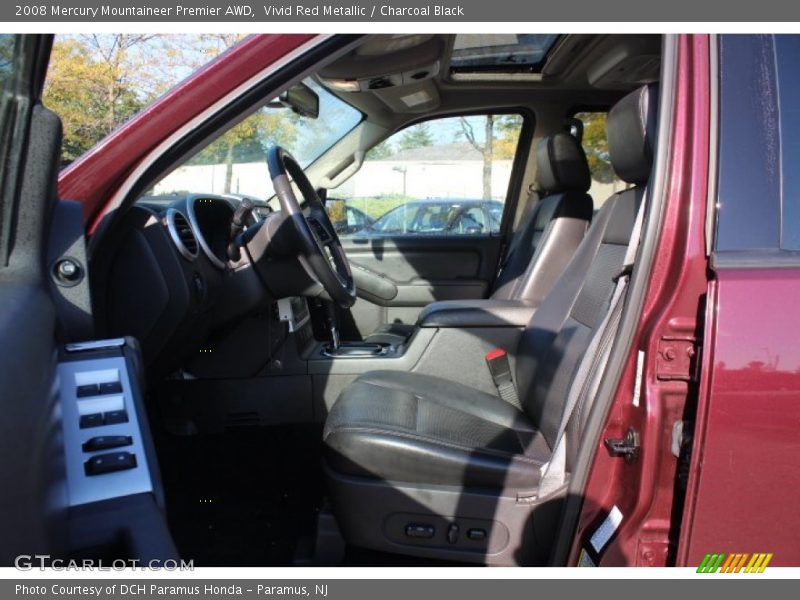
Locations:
(595, 143)
(382, 150)
(506, 135)
(89, 95)
(7, 43)
(416, 136)
(96, 82)
(377, 206)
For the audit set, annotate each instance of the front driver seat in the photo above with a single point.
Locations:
(548, 235)
(424, 466)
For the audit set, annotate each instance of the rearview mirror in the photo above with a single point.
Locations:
(301, 99)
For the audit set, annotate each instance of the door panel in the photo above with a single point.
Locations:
(421, 220)
(31, 516)
(397, 277)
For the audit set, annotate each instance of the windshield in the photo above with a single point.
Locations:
(235, 161)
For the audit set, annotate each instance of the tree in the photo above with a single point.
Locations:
(248, 141)
(90, 94)
(382, 150)
(7, 42)
(97, 82)
(486, 148)
(416, 136)
(506, 129)
(595, 142)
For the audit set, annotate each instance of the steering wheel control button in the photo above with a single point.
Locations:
(476, 535)
(109, 463)
(111, 387)
(84, 391)
(116, 416)
(106, 442)
(452, 533)
(420, 531)
(92, 420)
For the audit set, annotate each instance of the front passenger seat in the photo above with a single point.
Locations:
(548, 235)
(425, 466)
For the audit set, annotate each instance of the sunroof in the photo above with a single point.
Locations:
(502, 52)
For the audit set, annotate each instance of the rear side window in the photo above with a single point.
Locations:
(605, 182)
(759, 146)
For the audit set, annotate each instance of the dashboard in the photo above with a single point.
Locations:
(167, 280)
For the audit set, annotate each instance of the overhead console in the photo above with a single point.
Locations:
(398, 69)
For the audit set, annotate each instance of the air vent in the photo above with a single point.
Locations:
(182, 234)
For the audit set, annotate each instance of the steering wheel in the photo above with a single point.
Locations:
(319, 243)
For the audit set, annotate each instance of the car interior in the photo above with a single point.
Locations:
(264, 386)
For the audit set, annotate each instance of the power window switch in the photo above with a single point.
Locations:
(109, 463)
(116, 416)
(106, 442)
(111, 387)
(92, 420)
(84, 391)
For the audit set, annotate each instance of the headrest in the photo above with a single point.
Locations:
(561, 165)
(632, 132)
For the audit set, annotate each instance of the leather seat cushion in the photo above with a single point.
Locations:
(414, 428)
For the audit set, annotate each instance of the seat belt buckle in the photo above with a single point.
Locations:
(500, 370)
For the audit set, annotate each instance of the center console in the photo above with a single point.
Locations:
(450, 340)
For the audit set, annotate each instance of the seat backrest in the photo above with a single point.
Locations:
(556, 339)
(551, 230)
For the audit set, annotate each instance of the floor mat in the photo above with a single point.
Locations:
(242, 498)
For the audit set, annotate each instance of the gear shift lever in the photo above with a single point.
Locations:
(338, 349)
(332, 323)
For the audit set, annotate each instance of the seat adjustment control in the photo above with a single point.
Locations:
(452, 533)
(109, 463)
(420, 531)
(106, 442)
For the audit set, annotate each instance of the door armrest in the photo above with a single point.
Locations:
(477, 313)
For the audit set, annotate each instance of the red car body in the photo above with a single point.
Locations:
(743, 475)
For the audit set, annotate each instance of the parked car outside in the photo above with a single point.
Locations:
(462, 216)
(347, 219)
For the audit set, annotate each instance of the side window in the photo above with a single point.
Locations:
(595, 143)
(758, 182)
(445, 177)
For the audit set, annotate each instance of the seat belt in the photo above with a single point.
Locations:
(587, 379)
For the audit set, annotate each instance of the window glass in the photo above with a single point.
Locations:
(447, 176)
(507, 52)
(7, 44)
(759, 186)
(605, 182)
(96, 82)
(748, 194)
(788, 56)
(235, 162)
